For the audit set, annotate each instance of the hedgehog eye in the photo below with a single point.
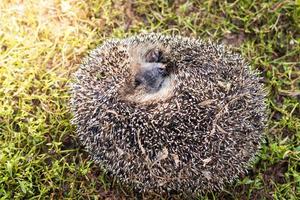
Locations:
(162, 71)
(137, 82)
(154, 55)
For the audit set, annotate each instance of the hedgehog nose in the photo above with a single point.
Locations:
(152, 78)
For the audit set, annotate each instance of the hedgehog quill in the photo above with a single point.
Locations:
(169, 113)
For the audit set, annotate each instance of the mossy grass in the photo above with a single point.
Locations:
(42, 43)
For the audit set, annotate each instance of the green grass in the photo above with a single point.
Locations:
(41, 44)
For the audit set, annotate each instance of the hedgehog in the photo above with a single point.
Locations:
(169, 114)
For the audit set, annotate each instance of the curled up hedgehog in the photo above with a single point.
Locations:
(169, 113)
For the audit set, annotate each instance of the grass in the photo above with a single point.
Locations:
(42, 42)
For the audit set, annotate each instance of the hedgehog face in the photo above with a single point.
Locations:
(152, 79)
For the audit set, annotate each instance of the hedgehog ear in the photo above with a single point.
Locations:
(154, 55)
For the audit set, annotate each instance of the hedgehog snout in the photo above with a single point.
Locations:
(151, 76)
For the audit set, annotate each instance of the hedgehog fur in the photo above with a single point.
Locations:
(169, 113)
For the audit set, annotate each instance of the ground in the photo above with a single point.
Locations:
(42, 43)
